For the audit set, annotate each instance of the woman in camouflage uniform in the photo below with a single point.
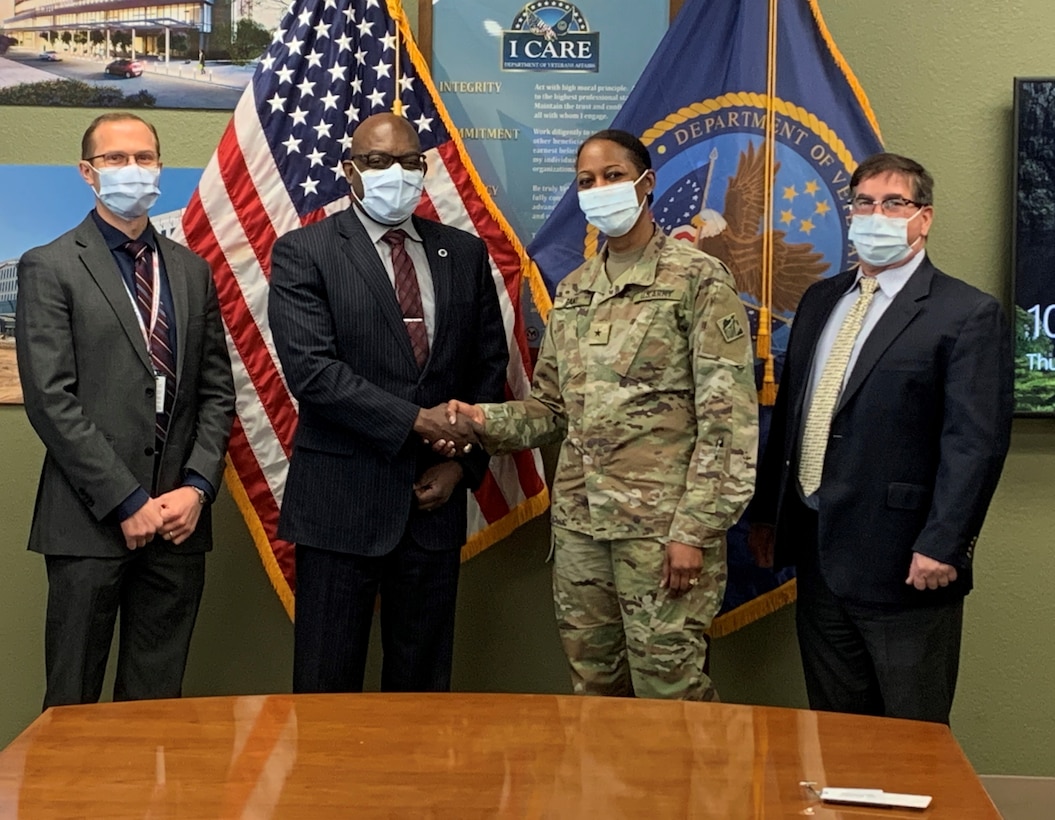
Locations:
(646, 378)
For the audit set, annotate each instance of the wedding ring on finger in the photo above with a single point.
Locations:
(693, 581)
(468, 448)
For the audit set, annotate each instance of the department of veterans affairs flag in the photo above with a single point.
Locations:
(331, 64)
(755, 123)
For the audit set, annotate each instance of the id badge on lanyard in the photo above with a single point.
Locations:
(147, 329)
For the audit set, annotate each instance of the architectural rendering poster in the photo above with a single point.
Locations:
(53, 199)
(526, 82)
(117, 54)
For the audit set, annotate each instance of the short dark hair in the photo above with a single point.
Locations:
(880, 164)
(87, 147)
(634, 147)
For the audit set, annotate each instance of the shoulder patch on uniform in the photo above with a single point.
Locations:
(730, 327)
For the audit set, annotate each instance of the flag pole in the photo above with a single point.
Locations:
(764, 348)
(397, 101)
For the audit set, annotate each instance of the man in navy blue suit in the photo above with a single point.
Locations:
(379, 317)
(887, 441)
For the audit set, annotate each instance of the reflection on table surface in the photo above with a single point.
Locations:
(469, 756)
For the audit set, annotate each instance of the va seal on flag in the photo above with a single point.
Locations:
(550, 35)
(711, 180)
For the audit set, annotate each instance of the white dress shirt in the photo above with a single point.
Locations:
(415, 248)
(890, 282)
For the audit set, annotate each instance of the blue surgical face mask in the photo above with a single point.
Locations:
(391, 195)
(881, 240)
(612, 209)
(129, 191)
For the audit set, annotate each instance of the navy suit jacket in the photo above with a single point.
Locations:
(917, 440)
(347, 359)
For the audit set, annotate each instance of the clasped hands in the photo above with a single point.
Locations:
(173, 515)
(450, 429)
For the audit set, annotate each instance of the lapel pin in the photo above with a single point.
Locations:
(442, 252)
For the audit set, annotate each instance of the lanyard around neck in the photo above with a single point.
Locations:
(147, 329)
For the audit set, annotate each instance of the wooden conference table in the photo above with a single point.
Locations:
(470, 756)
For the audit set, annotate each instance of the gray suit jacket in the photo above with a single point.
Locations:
(88, 385)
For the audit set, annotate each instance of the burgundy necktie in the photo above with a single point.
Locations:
(409, 295)
(160, 352)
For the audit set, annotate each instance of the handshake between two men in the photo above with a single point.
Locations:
(451, 429)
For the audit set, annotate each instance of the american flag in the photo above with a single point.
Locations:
(331, 64)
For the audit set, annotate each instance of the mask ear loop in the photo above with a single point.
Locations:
(648, 196)
(644, 200)
(351, 190)
(93, 169)
(912, 244)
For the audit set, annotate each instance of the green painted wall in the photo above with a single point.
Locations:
(939, 77)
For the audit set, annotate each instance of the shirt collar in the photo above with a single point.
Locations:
(116, 238)
(642, 273)
(892, 280)
(376, 230)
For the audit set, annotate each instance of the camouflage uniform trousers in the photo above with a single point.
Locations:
(622, 634)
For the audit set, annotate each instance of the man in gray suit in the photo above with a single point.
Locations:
(127, 382)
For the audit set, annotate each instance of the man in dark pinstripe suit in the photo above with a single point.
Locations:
(379, 317)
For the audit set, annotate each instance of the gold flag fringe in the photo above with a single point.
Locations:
(260, 540)
(765, 604)
(844, 67)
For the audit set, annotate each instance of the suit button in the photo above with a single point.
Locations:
(148, 451)
(149, 391)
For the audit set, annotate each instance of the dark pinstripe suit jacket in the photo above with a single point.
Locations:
(347, 359)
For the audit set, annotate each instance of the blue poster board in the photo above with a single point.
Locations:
(526, 83)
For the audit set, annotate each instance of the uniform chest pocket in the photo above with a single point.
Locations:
(567, 314)
(646, 337)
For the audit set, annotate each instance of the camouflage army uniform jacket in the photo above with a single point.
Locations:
(651, 387)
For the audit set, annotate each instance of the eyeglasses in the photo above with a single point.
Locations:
(890, 205)
(379, 161)
(118, 159)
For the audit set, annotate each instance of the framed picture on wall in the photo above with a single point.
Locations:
(118, 54)
(1033, 249)
(36, 216)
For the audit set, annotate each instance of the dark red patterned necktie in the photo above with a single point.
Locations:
(160, 352)
(409, 295)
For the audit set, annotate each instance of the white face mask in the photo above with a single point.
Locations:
(881, 240)
(129, 191)
(612, 209)
(391, 195)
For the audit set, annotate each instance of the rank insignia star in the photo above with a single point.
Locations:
(599, 333)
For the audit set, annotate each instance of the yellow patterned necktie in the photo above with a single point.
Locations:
(819, 420)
